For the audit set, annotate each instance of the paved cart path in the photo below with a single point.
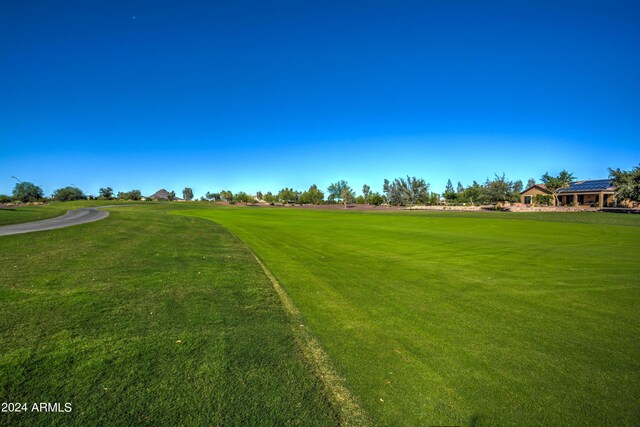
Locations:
(75, 217)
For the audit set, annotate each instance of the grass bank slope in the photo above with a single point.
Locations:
(465, 318)
(19, 214)
(146, 318)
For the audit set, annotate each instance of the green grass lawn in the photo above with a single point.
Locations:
(146, 318)
(18, 214)
(465, 318)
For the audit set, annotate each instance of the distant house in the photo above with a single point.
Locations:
(599, 192)
(527, 196)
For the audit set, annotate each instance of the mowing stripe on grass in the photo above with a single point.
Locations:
(350, 411)
(344, 402)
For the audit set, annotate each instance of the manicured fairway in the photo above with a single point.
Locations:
(146, 318)
(477, 319)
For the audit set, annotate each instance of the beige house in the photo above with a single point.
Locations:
(599, 192)
(527, 197)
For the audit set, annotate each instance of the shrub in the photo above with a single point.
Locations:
(542, 199)
(242, 197)
(376, 199)
(130, 195)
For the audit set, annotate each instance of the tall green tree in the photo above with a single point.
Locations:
(27, 192)
(336, 190)
(288, 195)
(531, 182)
(269, 197)
(171, 196)
(417, 191)
(434, 199)
(449, 194)
(187, 194)
(392, 192)
(473, 193)
(67, 194)
(313, 196)
(347, 196)
(226, 195)
(366, 190)
(556, 183)
(460, 188)
(626, 183)
(406, 192)
(517, 188)
(499, 190)
(105, 193)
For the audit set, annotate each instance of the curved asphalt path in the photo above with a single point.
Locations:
(75, 217)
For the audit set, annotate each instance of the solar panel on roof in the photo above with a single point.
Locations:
(594, 185)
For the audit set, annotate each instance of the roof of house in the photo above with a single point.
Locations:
(540, 186)
(589, 186)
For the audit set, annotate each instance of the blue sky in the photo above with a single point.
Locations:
(254, 95)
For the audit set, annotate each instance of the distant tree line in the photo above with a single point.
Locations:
(26, 192)
(492, 192)
(402, 191)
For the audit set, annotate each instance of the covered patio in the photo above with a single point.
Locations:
(593, 193)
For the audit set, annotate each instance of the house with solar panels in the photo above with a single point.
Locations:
(597, 192)
(594, 193)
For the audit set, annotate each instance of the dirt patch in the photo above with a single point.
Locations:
(19, 205)
(324, 207)
(553, 209)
